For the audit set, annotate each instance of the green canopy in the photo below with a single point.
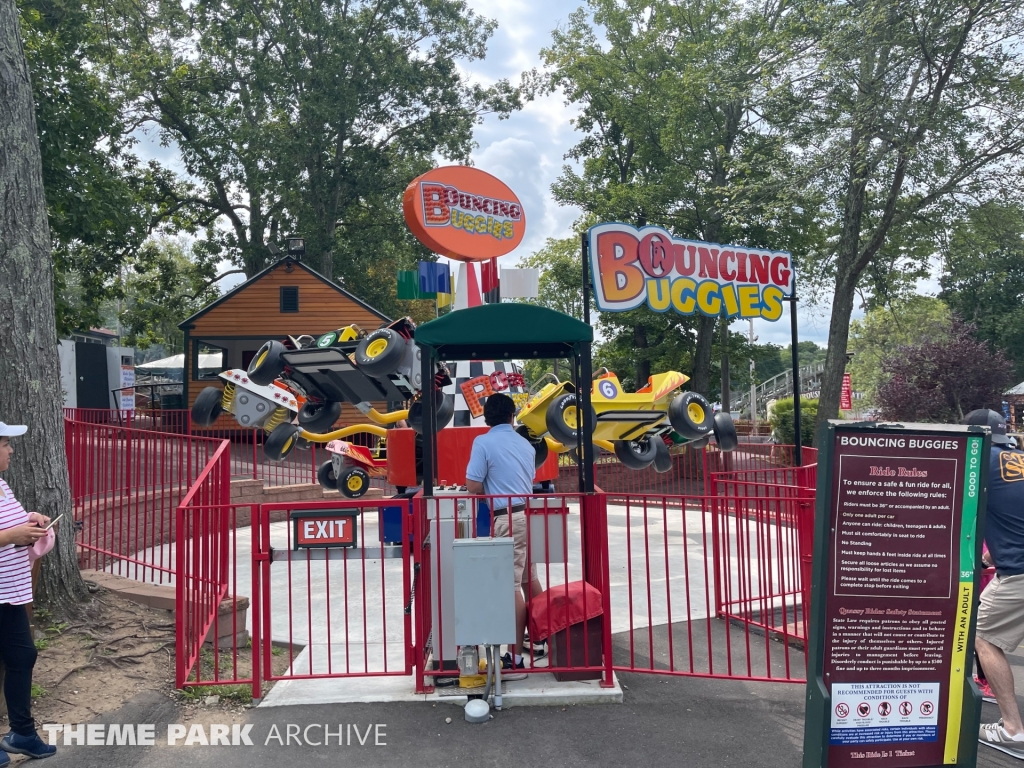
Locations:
(505, 332)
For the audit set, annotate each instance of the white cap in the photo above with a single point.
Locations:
(12, 430)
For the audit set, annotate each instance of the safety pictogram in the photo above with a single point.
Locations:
(926, 708)
(842, 710)
(884, 708)
(863, 709)
(906, 708)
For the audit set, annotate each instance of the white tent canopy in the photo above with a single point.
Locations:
(177, 362)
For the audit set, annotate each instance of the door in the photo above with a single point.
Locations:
(91, 367)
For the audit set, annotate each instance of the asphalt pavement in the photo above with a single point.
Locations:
(663, 721)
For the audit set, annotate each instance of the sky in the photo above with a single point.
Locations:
(527, 151)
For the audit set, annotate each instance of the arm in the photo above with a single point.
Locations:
(476, 469)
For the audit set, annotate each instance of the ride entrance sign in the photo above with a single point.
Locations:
(891, 643)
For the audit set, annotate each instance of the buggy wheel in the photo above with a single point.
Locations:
(267, 364)
(207, 407)
(540, 447)
(381, 352)
(563, 419)
(662, 458)
(319, 417)
(725, 432)
(690, 415)
(354, 482)
(281, 441)
(637, 454)
(325, 475)
(444, 413)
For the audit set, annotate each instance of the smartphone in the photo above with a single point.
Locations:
(53, 522)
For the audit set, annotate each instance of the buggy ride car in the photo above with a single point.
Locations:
(252, 405)
(351, 466)
(634, 424)
(321, 373)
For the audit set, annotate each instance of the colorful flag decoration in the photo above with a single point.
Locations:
(490, 287)
(520, 283)
(445, 298)
(435, 277)
(409, 286)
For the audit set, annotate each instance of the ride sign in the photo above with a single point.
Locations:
(631, 267)
(898, 512)
(464, 213)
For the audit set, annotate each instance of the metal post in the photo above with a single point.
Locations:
(798, 450)
(428, 418)
(726, 405)
(753, 384)
(583, 387)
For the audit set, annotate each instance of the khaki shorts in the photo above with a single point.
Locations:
(1001, 612)
(518, 541)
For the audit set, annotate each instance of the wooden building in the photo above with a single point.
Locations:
(286, 299)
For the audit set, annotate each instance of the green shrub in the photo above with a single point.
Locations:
(781, 419)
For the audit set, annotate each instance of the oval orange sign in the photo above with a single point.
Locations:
(464, 213)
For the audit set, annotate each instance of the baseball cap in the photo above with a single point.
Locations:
(12, 430)
(985, 418)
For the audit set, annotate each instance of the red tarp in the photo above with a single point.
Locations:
(561, 606)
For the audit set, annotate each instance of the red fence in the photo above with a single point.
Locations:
(708, 581)
(125, 487)
(246, 451)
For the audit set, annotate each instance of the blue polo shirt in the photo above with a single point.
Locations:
(1004, 513)
(504, 462)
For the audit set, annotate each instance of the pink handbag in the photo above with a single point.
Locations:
(42, 546)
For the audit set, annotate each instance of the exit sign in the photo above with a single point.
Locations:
(324, 528)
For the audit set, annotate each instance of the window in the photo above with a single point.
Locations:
(207, 361)
(289, 298)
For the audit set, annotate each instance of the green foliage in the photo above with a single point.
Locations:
(37, 691)
(983, 277)
(166, 284)
(783, 423)
(896, 112)
(885, 329)
(305, 118)
(95, 187)
(559, 289)
(671, 98)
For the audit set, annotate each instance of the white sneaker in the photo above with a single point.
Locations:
(995, 736)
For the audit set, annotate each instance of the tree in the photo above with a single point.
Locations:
(163, 287)
(883, 330)
(28, 345)
(671, 98)
(99, 198)
(298, 118)
(983, 276)
(942, 379)
(783, 422)
(561, 275)
(898, 111)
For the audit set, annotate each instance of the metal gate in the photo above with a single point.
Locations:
(329, 606)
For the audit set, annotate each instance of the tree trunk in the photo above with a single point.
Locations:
(643, 363)
(835, 357)
(28, 332)
(700, 376)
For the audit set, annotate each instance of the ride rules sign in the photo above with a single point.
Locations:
(891, 645)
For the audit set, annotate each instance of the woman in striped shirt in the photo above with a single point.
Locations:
(19, 531)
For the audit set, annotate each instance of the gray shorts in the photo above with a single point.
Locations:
(1001, 612)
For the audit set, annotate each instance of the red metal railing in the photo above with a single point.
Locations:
(247, 460)
(125, 486)
(676, 561)
(341, 612)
